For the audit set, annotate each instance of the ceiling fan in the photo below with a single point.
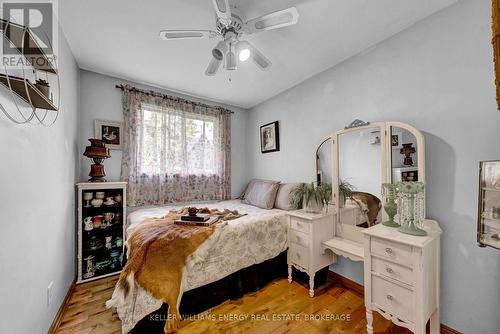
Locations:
(230, 27)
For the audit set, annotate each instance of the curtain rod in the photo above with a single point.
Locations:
(177, 99)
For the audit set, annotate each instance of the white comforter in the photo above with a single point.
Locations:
(260, 235)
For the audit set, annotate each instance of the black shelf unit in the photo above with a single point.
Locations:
(100, 238)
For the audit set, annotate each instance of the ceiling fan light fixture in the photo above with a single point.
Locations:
(243, 50)
(220, 50)
(244, 54)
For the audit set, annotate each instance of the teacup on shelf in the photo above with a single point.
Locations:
(109, 201)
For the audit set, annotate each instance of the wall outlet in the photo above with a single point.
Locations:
(49, 293)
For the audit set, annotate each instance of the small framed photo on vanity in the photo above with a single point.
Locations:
(110, 132)
(270, 137)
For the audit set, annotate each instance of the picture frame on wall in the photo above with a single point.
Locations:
(397, 140)
(270, 137)
(110, 132)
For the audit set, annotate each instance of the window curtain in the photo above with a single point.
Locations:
(174, 150)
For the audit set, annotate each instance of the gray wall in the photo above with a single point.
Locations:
(438, 76)
(100, 99)
(38, 170)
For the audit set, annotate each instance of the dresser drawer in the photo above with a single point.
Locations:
(392, 270)
(299, 225)
(299, 238)
(299, 255)
(394, 251)
(393, 298)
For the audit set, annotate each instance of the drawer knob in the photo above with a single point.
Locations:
(389, 297)
(389, 270)
(388, 250)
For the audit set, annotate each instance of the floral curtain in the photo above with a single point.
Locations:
(174, 150)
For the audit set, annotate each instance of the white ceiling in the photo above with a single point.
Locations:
(120, 38)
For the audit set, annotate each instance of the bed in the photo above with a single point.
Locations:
(259, 236)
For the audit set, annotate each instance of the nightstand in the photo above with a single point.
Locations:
(306, 232)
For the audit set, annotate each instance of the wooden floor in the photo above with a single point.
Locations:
(87, 314)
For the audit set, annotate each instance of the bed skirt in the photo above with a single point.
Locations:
(233, 286)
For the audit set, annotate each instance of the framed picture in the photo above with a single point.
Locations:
(396, 139)
(110, 132)
(270, 137)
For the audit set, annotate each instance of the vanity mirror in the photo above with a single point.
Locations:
(364, 157)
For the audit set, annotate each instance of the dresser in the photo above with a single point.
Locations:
(306, 232)
(401, 276)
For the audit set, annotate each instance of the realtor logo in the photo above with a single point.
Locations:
(30, 34)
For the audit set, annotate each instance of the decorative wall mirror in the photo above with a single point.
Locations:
(365, 156)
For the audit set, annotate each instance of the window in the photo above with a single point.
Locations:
(177, 142)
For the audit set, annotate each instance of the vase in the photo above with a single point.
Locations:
(390, 206)
(313, 206)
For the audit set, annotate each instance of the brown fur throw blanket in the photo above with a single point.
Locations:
(157, 253)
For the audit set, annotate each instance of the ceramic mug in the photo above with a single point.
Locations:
(88, 224)
(108, 216)
(97, 220)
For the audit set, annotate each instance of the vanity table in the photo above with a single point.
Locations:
(306, 232)
(401, 272)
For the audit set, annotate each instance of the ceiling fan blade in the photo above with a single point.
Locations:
(279, 19)
(259, 58)
(213, 67)
(186, 34)
(222, 9)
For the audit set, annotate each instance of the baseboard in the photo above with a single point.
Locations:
(57, 320)
(358, 288)
(448, 330)
(350, 284)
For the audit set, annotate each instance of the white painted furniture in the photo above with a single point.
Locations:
(401, 276)
(306, 232)
(116, 230)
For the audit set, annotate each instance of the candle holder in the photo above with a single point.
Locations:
(411, 207)
(390, 206)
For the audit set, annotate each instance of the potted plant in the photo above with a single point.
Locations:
(345, 191)
(312, 197)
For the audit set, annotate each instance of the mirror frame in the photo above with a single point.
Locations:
(419, 137)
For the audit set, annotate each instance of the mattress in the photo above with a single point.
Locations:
(258, 236)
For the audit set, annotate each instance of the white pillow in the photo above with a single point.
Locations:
(283, 196)
(261, 193)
